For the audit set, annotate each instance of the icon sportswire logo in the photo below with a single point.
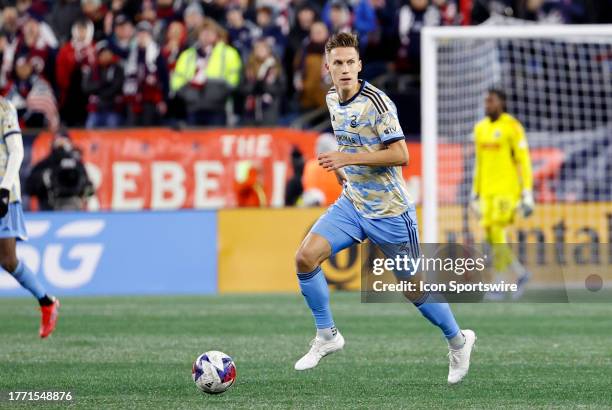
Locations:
(67, 256)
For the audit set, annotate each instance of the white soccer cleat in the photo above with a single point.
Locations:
(318, 350)
(460, 358)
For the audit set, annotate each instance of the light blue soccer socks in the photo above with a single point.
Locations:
(315, 291)
(439, 314)
(28, 280)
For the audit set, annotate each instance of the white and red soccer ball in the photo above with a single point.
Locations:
(213, 372)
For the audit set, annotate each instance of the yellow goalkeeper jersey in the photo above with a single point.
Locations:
(503, 166)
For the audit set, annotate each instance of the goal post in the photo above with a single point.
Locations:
(559, 84)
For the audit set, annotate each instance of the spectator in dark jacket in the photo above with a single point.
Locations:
(121, 39)
(263, 85)
(270, 30)
(73, 58)
(38, 48)
(146, 79)
(63, 15)
(241, 32)
(104, 84)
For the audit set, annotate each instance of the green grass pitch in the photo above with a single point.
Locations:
(136, 352)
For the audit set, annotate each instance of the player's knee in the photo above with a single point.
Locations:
(9, 263)
(307, 259)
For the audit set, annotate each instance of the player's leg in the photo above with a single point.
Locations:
(333, 232)
(501, 215)
(12, 226)
(27, 279)
(400, 234)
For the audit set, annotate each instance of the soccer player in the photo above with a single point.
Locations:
(374, 203)
(12, 225)
(502, 182)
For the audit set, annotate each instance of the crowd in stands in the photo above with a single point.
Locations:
(110, 63)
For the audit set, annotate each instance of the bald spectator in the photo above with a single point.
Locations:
(321, 188)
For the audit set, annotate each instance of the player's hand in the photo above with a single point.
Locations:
(527, 203)
(4, 201)
(475, 205)
(333, 160)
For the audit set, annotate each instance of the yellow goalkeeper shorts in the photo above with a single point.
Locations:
(497, 210)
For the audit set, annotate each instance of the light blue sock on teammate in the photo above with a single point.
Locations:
(27, 279)
(439, 314)
(315, 291)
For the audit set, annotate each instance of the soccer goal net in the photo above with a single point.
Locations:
(558, 80)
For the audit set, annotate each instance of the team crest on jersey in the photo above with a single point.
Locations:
(497, 134)
(354, 122)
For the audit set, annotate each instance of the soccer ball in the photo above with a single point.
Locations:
(213, 372)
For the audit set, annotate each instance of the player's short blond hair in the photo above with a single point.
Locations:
(339, 40)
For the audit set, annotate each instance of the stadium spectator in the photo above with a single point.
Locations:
(38, 45)
(378, 46)
(32, 96)
(263, 85)
(449, 12)
(7, 55)
(206, 75)
(304, 18)
(216, 10)
(95, 11)
(60, 181)
(73, 58)
(104, 86)
(62, 16)
(176, 38)
(122, 36)
(294, 187)
(167, 11)
(146, 79)
(483, 9)
(411, 18)
(241, 32)
(309, 69)
(270, 30)
(337, 16)
(10, 23)
(193, 16)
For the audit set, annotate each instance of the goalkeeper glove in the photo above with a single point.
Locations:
(4, 201)
(475, 204)
(527, 203)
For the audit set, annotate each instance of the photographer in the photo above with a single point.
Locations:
(60, 181)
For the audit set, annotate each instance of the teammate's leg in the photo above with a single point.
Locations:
(27, 279)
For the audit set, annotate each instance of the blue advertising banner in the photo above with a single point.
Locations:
(120, 253)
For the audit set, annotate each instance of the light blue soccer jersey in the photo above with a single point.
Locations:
(368, 122)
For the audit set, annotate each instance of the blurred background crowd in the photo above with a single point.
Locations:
(113, 63)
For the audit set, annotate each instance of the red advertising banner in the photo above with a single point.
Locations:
(162, 168)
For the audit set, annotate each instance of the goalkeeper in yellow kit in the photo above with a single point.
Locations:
(503, 182)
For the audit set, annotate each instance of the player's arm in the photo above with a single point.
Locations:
(477, 174)
(14, 146)
(396, 153)
(474, 197)
(387, 127)
(520, 151)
